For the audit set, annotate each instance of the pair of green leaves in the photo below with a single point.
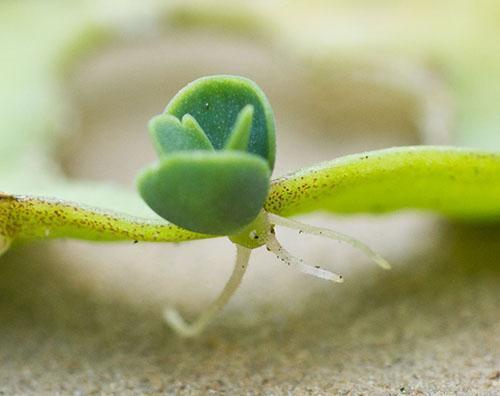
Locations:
(216, 143)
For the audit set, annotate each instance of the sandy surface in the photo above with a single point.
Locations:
(78, 318)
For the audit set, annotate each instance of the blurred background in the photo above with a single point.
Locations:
(80, 81)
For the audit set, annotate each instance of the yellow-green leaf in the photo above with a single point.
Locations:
(456, 182)
(24, 218)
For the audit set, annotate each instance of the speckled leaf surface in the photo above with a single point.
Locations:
(24, 218)
(455, 182)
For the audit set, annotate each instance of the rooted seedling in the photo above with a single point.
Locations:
(216, 152)
(216, 144)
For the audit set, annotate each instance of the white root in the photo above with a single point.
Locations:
(325, 232)
(274, 246)
(185, 329)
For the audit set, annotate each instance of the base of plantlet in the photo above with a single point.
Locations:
(263, 233)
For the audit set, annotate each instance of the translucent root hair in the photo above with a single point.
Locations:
(184, 329)
(325, 232)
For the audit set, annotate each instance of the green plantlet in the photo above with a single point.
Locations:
(216, 148)
(216, 140)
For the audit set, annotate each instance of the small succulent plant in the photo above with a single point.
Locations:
(216, 140)
(216, 148)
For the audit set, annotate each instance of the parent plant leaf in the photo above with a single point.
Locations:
(455, 182)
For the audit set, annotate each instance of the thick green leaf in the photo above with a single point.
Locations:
(209, 192)
(24, 218)
(216, 101)
(455, 182)
(240, 135)
(170, 135)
